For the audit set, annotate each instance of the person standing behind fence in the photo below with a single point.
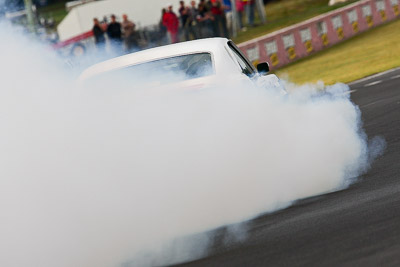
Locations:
(98, 34)
(227, 7)
(194, 12)
(186, 20)
(162, 30)
(219, 23)
(249, 7)
(128, 28)
(205, 19)
(171, 22)
(200, 20)
(184, 16)
(114, 34)
(239, 11)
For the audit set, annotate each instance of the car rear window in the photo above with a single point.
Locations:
(163, 71)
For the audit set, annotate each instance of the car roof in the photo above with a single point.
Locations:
(210, 45)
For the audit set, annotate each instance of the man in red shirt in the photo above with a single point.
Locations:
(171, 22)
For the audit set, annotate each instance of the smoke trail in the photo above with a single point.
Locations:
(109, 176)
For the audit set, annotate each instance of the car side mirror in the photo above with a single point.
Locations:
(263, 68)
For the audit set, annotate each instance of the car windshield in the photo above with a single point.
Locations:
(162, 71)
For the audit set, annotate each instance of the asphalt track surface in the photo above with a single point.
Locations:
(359, 226)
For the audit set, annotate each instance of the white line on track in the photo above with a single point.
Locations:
(348, 92)
(374, 76)
(373, 83)
(395, 77)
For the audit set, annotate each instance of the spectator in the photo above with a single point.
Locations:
(208, 5)
(240, 10)
(205, 20)
(162, 29)
(184, 16)
(216, 12)
(194, 13)
(129, 33)
(171, 22)
(227, 7)
(224, 23)
(114, 33)
(98, 33)
(202, 2)
(199, 18)
(186, 20)
(219, 23)
(249, 7)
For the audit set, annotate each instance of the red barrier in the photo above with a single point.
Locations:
(300, 40)
(73, 40)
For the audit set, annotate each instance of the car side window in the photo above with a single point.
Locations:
(246, 68)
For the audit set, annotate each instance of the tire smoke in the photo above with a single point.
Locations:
(111, 176)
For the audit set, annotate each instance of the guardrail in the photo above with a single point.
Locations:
(300, 40)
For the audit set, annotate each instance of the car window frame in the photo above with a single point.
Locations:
(234, 49)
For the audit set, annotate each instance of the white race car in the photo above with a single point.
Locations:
(191, 65)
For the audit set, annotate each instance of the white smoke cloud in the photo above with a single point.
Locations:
(111, 176)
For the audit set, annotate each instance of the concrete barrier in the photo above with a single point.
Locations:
(300, 40)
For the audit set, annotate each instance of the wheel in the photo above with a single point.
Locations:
(78, 50)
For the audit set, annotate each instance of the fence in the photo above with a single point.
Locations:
(300, 40)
